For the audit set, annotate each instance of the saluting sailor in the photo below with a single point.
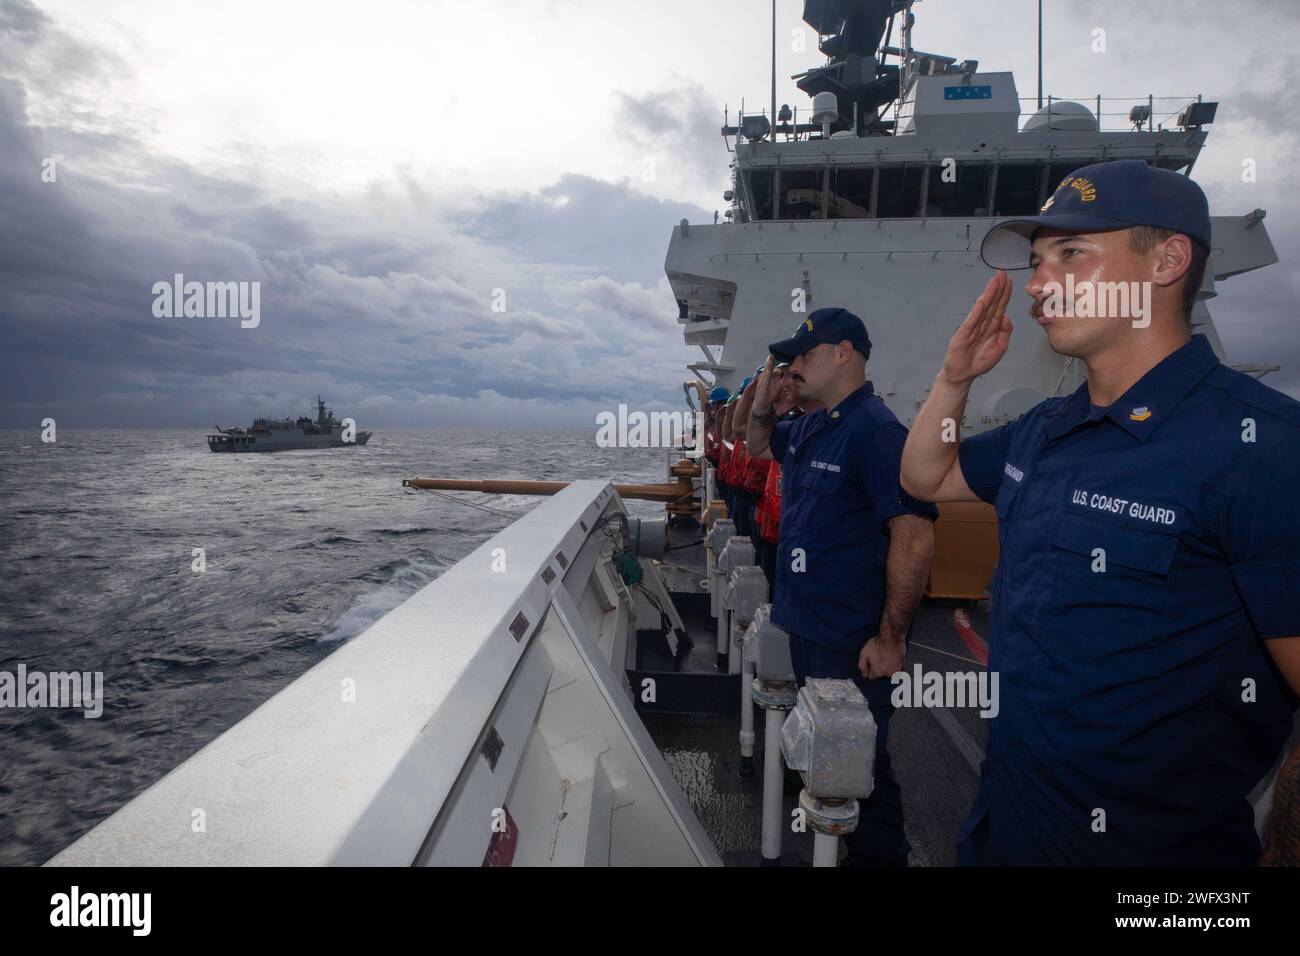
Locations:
(1145, 612)
(713, 425)
(767, 512)
(854, 550)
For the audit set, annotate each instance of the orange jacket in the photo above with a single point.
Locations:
(754, 476)
(739, 458)
(739, 455)
(768, 513)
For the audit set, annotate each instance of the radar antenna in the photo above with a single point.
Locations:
(851, 34)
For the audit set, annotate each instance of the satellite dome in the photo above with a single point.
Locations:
(1064, 114)
(826, 108)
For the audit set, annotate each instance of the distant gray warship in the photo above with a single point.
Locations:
(267, 434)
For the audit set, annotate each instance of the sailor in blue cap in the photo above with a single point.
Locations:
(1145, 614)
(727, 448)
(713, 426)
(854, 550)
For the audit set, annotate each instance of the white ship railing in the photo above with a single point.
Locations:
(1113, 114)
(487, 717)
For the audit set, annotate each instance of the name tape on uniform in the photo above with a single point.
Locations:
(1134, 509)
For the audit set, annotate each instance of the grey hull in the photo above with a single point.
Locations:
(281, 442)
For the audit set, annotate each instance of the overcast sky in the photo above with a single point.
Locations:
(382, 167)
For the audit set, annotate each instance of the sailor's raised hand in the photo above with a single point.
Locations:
(983, 338)
(766, 387)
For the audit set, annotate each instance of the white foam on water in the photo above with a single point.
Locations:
(367, 608)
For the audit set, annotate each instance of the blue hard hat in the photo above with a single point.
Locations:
(1118, 194)
(719, 394)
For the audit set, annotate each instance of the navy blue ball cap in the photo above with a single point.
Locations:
(821, 327)
(1115, 195)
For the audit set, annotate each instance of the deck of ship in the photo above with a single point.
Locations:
(696, 725)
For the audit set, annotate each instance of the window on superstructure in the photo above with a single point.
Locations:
(801, 193)
(959, 190)
(850, 193)
(1017, 189)
(760, 194)
(900, 191)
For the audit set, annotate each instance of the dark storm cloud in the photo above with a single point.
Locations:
(677, 127)
(1263, 47)
(585, 220)
(51, 59)
(395, 323)
(22, 19)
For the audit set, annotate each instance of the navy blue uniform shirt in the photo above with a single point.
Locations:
(1148, 550)
(839, 487)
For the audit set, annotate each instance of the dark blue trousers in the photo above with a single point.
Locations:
(766, 554)
(879, 839)
(743, 511)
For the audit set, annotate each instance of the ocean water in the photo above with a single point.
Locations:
(303, 551)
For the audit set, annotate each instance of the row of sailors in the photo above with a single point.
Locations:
(750, 486)
(844, 551)
(1145, 614)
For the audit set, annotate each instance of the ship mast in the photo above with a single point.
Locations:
(1040, 61)
(772, 116)
(905, 47)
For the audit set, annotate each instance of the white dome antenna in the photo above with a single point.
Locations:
(1062, 115)
(826, 110)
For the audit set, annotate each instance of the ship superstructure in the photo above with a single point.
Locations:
(878, 197)
(282, 434)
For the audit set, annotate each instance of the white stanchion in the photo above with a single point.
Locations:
(773, 781)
